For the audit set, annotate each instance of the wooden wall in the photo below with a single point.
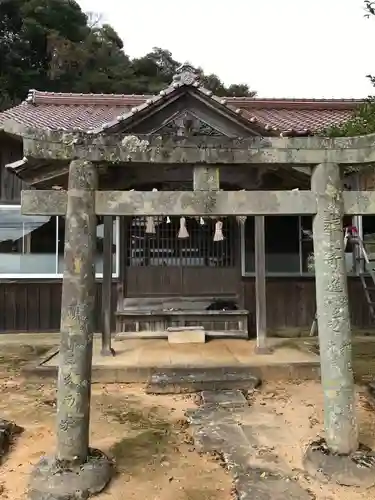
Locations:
(35, 306)
(10, 185)
(291, 303)
(181, 281)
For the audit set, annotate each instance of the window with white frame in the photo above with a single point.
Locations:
(33, 246)
(288, 244)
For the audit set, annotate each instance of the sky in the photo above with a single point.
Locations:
(280, 48)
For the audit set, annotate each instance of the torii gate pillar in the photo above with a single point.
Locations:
(76, 471)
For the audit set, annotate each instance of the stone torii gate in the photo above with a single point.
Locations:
(326, 201)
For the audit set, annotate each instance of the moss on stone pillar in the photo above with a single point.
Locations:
(333, 311)
(77, 314)
(76, 471)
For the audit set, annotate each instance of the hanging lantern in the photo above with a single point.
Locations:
(150, 225)
(183, 232)
(241, 219)
(218, 236)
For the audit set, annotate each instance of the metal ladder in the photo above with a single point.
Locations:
(366, 267)
(347, 237)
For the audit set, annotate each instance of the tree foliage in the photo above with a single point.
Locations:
(363, 119)
(370, 8)
(361, 123)
(52, 45)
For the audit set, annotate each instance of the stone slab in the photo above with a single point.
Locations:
(260, 485)
(206, 414)
(262, 455)
(257, 471)
(229, 398)
(186, 335)
(186, 381)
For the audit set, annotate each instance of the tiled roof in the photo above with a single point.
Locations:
(94, 111)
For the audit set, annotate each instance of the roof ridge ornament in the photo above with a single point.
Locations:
(186, 74)
(31, 95)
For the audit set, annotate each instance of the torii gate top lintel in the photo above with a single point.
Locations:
(119, 149)
(207, 152)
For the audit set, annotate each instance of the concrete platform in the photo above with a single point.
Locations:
(137, 359)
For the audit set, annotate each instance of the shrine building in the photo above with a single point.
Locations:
(158, 271)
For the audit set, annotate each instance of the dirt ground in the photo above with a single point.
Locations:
(149, 439)
(145, 434)
(293, 416)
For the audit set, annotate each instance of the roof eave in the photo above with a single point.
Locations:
(13, 128)
(36, 172)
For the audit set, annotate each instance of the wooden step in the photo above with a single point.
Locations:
(210, 334)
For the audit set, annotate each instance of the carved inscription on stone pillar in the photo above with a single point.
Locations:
(77, 315)
(333, 311)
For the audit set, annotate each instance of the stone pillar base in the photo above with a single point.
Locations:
(356, 469)
(264, 350)
(108, 352)
(50, 480)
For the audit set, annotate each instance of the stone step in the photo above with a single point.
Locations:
(186, 335)
(190, 380)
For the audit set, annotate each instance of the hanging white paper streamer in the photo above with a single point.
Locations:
(183, 232)
(218, 236)
(150, 222)
(150, 225)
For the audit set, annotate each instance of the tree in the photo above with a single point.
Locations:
(32, 32)
(100, 63)
(370, 8)
(363, 120)
(154, 71)
(240, 90)
(52, 45)
(361, 123)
